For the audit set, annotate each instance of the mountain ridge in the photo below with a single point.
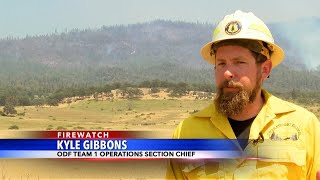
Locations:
(165, 50)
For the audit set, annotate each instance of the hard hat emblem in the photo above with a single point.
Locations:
(233, 27)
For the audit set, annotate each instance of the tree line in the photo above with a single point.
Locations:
(20, 96)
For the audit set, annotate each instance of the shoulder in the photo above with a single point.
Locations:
(197, 125)
(291, 111)
(280, 106)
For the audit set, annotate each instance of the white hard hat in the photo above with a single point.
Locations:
(241, 25)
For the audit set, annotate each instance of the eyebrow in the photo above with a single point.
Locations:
(233, 59)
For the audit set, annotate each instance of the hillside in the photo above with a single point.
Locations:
(163, 50)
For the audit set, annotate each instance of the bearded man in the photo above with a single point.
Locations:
(281, 139)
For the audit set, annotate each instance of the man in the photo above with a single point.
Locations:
(282, 140)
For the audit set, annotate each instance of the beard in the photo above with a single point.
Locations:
(233, 103)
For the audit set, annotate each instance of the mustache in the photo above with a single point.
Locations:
(230, 83)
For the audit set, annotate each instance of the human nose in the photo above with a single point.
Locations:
(229, 75)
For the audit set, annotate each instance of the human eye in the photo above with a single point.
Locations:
(241, 62)
(221, 63)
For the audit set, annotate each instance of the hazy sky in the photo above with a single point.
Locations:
(22, 17)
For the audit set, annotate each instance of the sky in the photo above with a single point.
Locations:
(19, 18)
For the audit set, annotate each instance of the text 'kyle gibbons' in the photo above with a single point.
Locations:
(83, 134)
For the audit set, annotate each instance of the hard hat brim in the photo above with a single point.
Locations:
(276, 56)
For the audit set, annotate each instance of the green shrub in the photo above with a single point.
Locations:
(14, 127)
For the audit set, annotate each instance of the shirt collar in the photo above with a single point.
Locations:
(276, 105)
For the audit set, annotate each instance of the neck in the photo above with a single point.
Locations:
(251, 109)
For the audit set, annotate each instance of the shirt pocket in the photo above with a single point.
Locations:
(281, 160)
(202, 170)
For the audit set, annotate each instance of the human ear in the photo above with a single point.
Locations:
(266, 69)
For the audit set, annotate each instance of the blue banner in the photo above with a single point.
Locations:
(120, 144)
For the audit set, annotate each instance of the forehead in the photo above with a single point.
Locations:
(233, 52)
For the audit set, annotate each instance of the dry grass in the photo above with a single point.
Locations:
(150, 114)
(161, 115)
(117, 114)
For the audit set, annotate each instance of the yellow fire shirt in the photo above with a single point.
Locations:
(290, 149)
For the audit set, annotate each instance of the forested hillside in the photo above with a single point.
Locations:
(160, 50)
